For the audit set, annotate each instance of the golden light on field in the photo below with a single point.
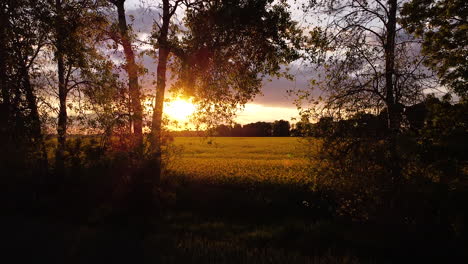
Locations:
(179, 109)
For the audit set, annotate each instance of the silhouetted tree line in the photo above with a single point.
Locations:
(279, 128)
(366, 125)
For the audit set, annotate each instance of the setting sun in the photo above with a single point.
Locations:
(179, 109)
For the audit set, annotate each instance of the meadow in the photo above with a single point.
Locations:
(281, 160)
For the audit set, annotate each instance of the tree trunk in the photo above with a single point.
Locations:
(3, 67)
(132, 71)
(156, 125)
(36, 129)
(62, 116)
(394, 113)
(393, 121)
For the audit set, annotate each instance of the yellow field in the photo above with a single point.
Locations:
(279, 160)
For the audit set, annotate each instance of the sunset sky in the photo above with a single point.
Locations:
(273, 104)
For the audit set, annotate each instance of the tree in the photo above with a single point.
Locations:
(132, 72)
(164, 48)
(23, 38)
(59, 43)
(223, 131)
(442, 139)
(226, 49)
(281, 128)
(443, 26)
(236, 130)
(371, 65)
(302, 128)
(258, 129)
(74, 26)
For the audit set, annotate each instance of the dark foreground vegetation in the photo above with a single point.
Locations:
(94, 212)
(209, 223)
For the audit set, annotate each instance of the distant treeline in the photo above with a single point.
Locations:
(362, 125)
(366, 125)
(279, 128)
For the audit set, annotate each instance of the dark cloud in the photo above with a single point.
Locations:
(275, 91)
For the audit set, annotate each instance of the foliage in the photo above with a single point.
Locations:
(371, 74)
(443, 26)
(356, 57)
(229, 46)
(257, 129)
(352, 160)
(279, 128)
(441, 142)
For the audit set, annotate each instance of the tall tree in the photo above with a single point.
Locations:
(4, 58)
(132, 72)
(227, 47)
(163, 47)
(60, 36)
(443, 25)
(74, 24)
(370, 64)
(23, 39)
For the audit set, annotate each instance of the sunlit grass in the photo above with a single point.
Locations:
(278, 160)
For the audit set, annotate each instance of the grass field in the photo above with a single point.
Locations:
(233, 159)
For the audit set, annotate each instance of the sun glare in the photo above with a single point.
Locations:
(179, 109)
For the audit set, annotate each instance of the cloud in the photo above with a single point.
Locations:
(142, 19)
(275, 91)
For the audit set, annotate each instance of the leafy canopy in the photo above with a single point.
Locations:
(228, 48)
(444, 28)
